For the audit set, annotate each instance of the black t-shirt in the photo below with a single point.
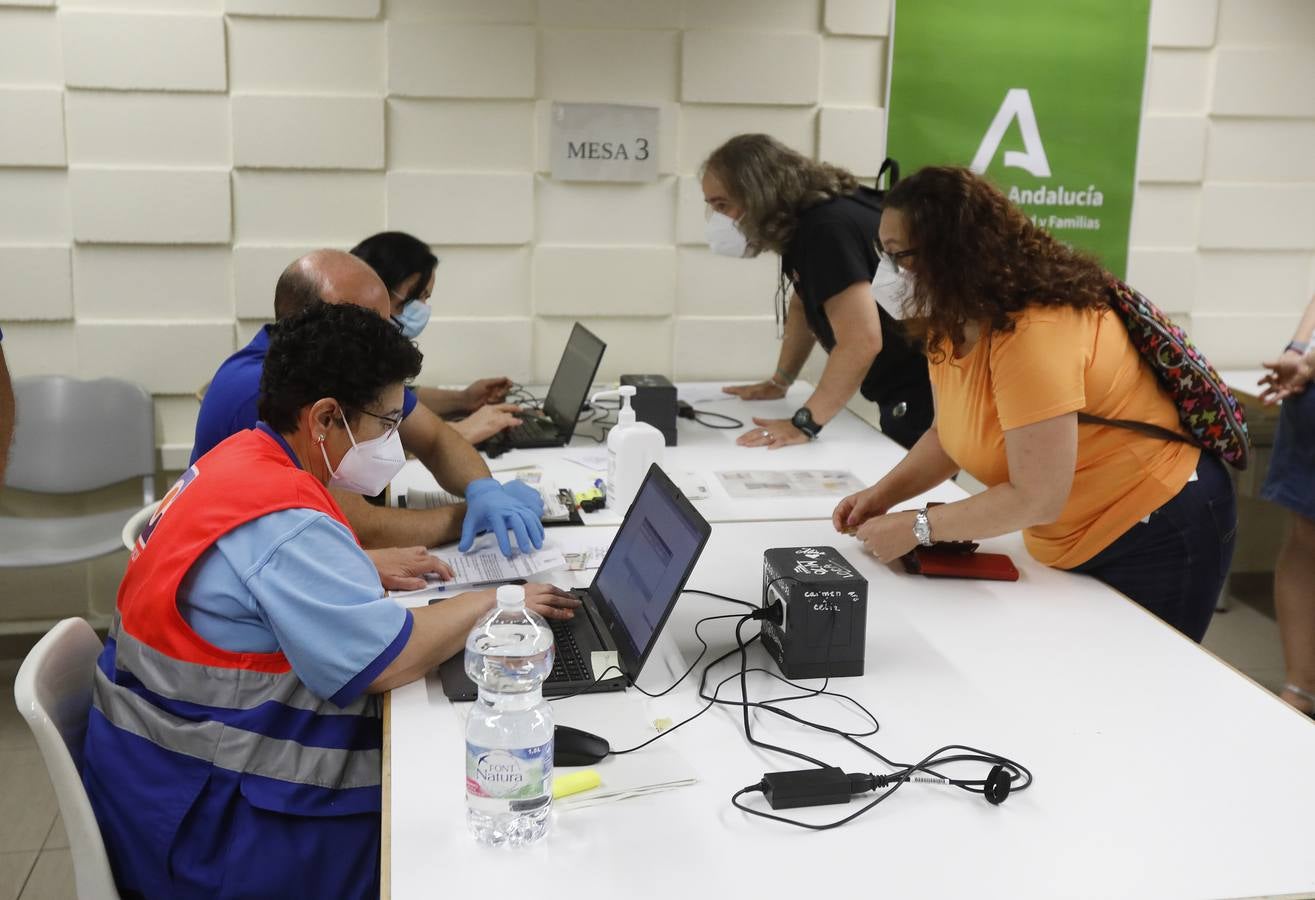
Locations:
(834, 247)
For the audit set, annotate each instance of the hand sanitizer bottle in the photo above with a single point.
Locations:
(632, 446)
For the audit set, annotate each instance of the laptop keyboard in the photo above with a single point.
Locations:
(569, 664)
(533, 429)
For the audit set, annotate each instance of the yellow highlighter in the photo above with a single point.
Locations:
(574, 783)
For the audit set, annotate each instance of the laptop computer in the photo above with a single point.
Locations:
(632, 594)
(566, 397)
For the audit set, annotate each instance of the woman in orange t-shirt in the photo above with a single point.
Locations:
(1021, 340)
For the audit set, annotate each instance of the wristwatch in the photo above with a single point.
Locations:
(803, 420)
(922, 528)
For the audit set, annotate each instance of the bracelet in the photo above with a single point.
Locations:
(1297, 347)
(788, 379)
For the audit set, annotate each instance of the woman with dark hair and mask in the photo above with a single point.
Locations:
(233, 745)
(764, 197)
(408, 268)
(1021, 339)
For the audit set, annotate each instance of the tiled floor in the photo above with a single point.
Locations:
(34, 855)
(35, 863)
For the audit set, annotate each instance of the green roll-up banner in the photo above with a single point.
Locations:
(1043, 96)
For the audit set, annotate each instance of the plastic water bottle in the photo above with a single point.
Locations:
(509, 735)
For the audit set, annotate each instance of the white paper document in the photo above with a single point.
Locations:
(589, 558)
(653, 771)
(594, 462)
(484, 567)
(750, 483)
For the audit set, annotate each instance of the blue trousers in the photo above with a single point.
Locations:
(1175, 564)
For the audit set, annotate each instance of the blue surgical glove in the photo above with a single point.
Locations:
(491, 507)
(525, 495)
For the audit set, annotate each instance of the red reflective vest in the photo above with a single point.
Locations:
(215, 772)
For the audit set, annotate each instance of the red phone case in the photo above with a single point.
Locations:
(935, 562)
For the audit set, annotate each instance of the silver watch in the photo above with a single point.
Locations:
(922, 528)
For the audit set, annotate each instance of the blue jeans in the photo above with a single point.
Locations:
(1175, 565)
(1290, 481)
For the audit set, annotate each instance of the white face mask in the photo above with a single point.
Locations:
(892, 289)
(367, 467)
(724, 236)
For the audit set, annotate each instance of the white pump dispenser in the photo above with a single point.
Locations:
(632, 446)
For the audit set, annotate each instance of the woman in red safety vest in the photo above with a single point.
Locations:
(233, 747)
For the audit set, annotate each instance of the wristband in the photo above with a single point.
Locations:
(786, 380)
(1297, 347)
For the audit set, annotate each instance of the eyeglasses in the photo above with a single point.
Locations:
(392, 423)
(424, 298)
(893, 259)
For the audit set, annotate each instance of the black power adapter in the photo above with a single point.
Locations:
(806, 787)
(831, 785)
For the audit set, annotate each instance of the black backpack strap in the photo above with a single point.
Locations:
(888, 165)
(1141, 427)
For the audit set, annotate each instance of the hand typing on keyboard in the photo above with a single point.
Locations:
(547, 600)
(487, 421)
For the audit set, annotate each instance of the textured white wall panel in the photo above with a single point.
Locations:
(118, 281)
(1258, 216)
(32, 127)
(734, 348)
(1183, 23)
(150, 206)
(463, 135)
(122, 128)
(312, 57)
(146, 51)
(163, 357)
(321, 208)
(625, 281)
(461, 60)
(634, 345)
(866, 17)
(45, 277)
(852, 138)
(602, 213)
(750, 67)
(319, 9)
(712, 285)
(853, 71)
(1172, 148)
(290, 131)
(769, 15)
(605, 65)
(462, 208)
(29, 48)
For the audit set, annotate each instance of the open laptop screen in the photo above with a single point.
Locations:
(575, 373)
(646, 566)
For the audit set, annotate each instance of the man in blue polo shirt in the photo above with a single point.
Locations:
(332, 276)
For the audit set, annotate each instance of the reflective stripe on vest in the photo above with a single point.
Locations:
(137, 701)
(244, 712)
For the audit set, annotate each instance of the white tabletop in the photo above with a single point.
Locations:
(1160, 771)
(847, 443)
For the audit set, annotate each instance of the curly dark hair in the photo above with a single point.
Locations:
(774, 184)
(332, 350)
(981, 259)
(395, 256)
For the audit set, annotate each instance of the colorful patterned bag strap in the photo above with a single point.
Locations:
(1206, 407)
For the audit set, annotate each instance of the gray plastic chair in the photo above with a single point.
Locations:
(53, 692)
(73, 436)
